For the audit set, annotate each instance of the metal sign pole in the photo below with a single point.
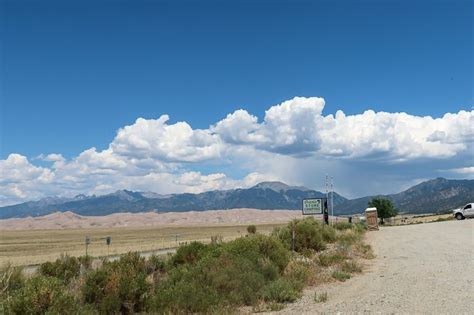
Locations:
(332, 201)
(293, 238)
(108, 240)
(88, 241)
(326, 214)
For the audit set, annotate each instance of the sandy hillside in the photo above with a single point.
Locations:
(70, 220)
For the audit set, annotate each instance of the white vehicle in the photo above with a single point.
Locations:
(465, 212)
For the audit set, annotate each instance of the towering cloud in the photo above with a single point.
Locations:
(152, 154)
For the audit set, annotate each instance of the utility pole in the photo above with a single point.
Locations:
(332, 200)
(327, 176)
(326, 207)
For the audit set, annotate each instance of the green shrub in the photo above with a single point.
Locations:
(235, 274)
(330, 259)
(130, 261)
(11, 279)
(365, 250)
(328, 233)
(65, 268)
(191, 253)
(257, 247)
(251, 229)
(118, 286)
(342, 225)
(349, 237)
(155, 264)
(298, 272)
(227, 280)
(351, 267)
(309, 234)
(94, 288)
(180, 297)
(85, 261)
(41, 295)
(268, 269)
(341, 275)
(281, 290)
(360, 227)
(237, 279)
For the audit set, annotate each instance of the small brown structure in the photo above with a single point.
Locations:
(372, 219)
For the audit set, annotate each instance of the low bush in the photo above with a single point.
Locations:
(364, 251)
(309, 235)
(251, 229)
(258, 247)
(155, 265)
(11, 279)
(41, 295)
(85, 261)
(119, 286)
(281, 291)
(341, 275)
(349, 237)
(342, 226)
(191, 253)
(360, 227)
(351, 267)
(329, 259)
(65, 268)
(298, 272)
(226, 280)
(238, 273)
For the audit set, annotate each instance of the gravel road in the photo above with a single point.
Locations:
(419, 269)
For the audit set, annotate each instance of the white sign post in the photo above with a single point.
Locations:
(312, 206)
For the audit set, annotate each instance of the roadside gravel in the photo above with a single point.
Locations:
(419, 269)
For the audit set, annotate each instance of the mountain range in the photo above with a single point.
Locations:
(428, 197)
(433, 196)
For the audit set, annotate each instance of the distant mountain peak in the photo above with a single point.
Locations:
(128, 195)
(80, 197)
(436, 180)
(278, 186)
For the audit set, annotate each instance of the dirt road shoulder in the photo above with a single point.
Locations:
(425, 268)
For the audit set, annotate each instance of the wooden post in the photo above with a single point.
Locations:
(293, 238)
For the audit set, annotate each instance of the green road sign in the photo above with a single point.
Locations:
(313, 206)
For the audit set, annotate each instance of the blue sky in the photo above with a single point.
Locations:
(75, 72)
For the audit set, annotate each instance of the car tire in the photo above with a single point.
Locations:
(459, 216)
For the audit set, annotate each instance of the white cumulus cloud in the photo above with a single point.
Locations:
(294, 142)
(157, 139)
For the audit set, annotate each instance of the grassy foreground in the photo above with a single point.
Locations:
(257, 271)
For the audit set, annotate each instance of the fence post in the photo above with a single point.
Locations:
(293, 238)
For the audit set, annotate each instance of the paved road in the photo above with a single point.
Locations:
(419, 269)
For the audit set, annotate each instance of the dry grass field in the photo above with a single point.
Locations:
(24, 246)
(27, 247)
